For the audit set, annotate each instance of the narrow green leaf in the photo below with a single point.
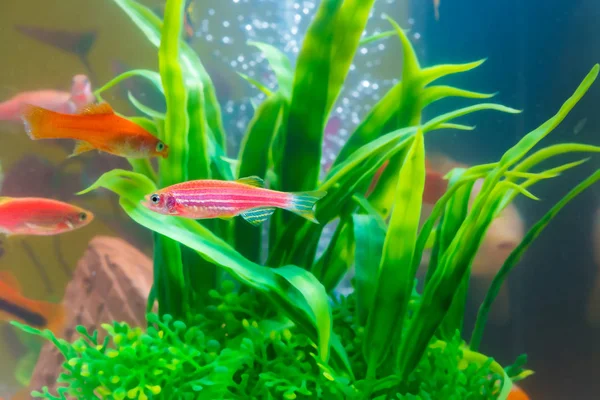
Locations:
(436, 72)
(394, 283)
(151, 76)
(198, 137)
(301, 161)
(378, 36)
(143, 108)
(335, 262)
(350, 24)
(517, 253)
(256, 84)
(174, 168)
(151, 25)
(200, 274)
(281, 66)
(453, 217)
(371, 126)
(551, 151)
(370, 235)
(316, 296)
(516, 152)
(252, 162)
(435, 93)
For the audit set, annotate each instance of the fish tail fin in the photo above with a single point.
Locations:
(303, 203)
(37, 121)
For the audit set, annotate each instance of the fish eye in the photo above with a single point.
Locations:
(160, 146)
(155, 198)
(82, 216)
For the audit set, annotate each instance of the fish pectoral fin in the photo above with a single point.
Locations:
(81, 147)
(97, 109)
(257, 216)
(39, 228)
(252, 181)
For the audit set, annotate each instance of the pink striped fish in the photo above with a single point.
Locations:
(246, 197)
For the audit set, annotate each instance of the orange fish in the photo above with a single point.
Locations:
(435, 184)
(516, 393)
(96, 127)
(35, 313)
(38, 216)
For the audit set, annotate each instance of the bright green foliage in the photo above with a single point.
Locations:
(279, 332)
(234, 350)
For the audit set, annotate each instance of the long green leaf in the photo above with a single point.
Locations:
(516, 255)
(144, 108)
(301, 161)
(370, 235)
(201, 275)
(198, 138)
(252, 162)
(151, 25)
(315, 295)
(168, 260)
(350, 24)
(338, 257)
(267, 92)
(174, 168)
(394, 283)
(151, 76)
(281, 66)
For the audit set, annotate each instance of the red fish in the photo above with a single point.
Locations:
(39, 216)
(37, 314)
(59, 101)
(226, 199)
(435, 184)
(96, 127)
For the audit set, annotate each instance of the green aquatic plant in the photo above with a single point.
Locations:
(290, 336)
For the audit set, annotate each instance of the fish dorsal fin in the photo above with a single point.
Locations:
(257, 216)
(97, 109)
(12, 281)
(252, 181)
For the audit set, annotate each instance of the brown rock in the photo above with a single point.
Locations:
(111, 282)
